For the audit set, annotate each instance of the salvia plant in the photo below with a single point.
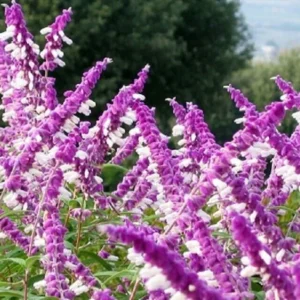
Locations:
(195, 221)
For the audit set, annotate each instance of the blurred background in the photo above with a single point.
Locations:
(194, 47)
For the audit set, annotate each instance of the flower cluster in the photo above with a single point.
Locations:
(202, 220)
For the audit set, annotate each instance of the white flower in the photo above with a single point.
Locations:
(28, 228)
(134, 257)
(92, 132)
(240, 120)
(131, 114)
(178, 130)
(69, 125)
(238, 207)
(182, 142)
(153, 177)
(70, 266)
(90, 103)
(81, 154)
(225, 192)
(139, 97)
(149, 271)
(157, 282)
(75, 119)
(10, 47)
(43, 53)
(39, 284)
(98, 179)
(10, 200)
(193, 137)
(115, 139)
(64, 193)
(126, 120)
(46, 30)
(84, 109)
(185, 163)
(59, 62)
(19, 83)
(213, 200)
(143, 151)
(78, 287)
(179, 296)
(280, 255)
(106, 125)
(193, 246)
(245, 260)
(2, 235)
(261, 149)
(265, 256)
(60, 135)
(71, 176)
(203, 215)
(67, 40)
(209, 277)
(249, 271)
(113, 258)
(39, 242)
(119, 132)
(296, 116)
(6, 35)
(66, 167)
(219, 184)
(253, 216)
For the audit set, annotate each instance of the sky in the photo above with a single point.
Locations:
(273, 20)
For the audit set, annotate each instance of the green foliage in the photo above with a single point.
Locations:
(255, 85)
(112, 175)
(192, 46)
(109, 273)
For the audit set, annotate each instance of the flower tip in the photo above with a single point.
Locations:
(226, 87)
(4, 5)
(273, 78)
(147, 68)
(109, 60)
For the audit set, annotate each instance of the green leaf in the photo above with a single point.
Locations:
(96, 258)
(112, 175)
(123, 273)
(34, 279)
(290, 207)
(224, 235)
(20, 295)
(10, 213)
(31, 260)
(10, 284)
(18, 261)
(69, 245)
(5, 293)
(260, 295)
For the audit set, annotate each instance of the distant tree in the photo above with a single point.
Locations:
(191, 45)
(255, 81)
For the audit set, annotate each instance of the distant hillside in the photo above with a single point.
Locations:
(273, 20)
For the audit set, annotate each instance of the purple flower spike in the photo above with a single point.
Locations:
(55, 36)
(261, 261)
(181, 278)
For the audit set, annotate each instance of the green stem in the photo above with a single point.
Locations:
(79, 226)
